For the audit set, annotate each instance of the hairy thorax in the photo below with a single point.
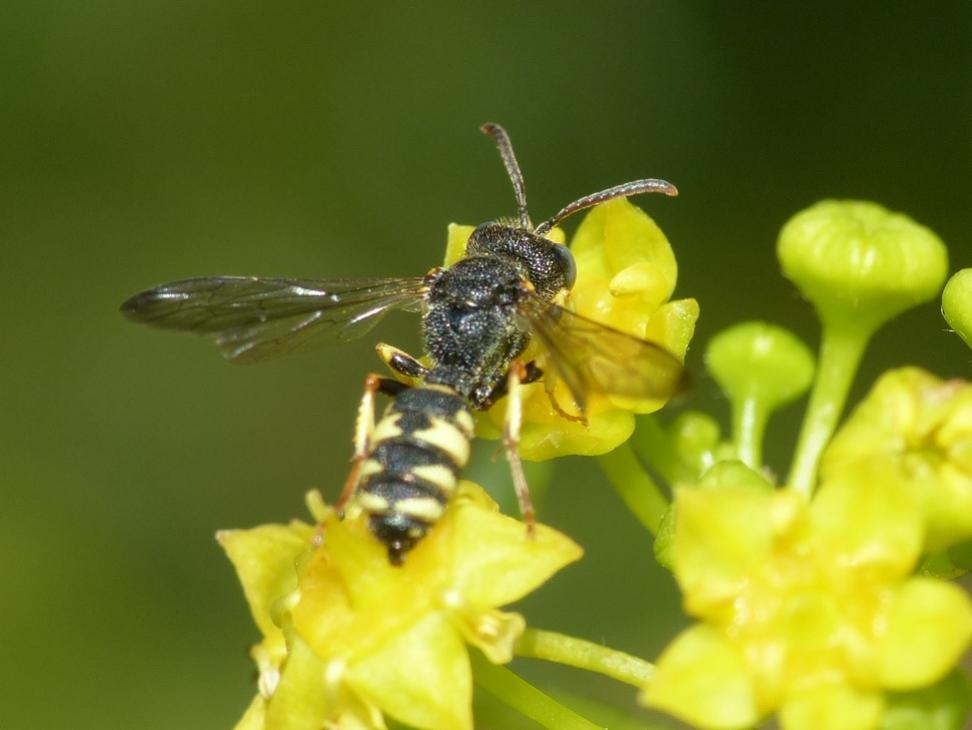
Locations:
(471, 329)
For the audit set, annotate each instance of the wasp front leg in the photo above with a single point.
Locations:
(363, 428)
(511, 440)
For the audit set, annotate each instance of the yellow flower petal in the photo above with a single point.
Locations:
(255, 716)
(673, 323)
(623, 235)
(700, 678)
(493, 632)
(720, 534)
(832, 707)
(299, 702)
(546, 434)
(421, 677)
(922, 426)
(870, 518)
(456, 240)
(353, 600)
(265, 560)
(496, 562)
(929, 628)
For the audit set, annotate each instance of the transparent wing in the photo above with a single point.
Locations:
(591, 357)
(252, 318)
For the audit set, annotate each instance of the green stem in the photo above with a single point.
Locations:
(841, 348)
(525, 698)
(655, 445)
(637, 489)
(574, 652)
(748, 427)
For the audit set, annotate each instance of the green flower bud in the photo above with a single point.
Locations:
(857, 260)
(694, 437)
(957, 304)
(760, 359)
(662, 546)
(734, 474)
(860, 265)
(760, 367)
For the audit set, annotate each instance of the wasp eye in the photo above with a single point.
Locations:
(567, 266)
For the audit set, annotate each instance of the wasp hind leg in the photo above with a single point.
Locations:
(511, 440)
(363, 428)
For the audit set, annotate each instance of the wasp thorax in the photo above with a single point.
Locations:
(549, 265)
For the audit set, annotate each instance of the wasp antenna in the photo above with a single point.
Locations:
(505, 147)
(636, 187)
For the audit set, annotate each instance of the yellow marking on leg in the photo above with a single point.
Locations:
(511, 440)
(387, 353)
(363, 428)
(437, 474)
(426, 509)
(448, 437)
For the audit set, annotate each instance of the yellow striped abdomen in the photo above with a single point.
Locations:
(417, 451)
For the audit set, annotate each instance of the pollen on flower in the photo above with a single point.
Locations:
(334, 672)
(452, 598)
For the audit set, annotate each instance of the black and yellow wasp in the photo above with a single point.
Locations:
(478, 316)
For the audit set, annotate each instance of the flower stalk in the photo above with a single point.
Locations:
(571, 651)
(526, 699)
(637, 489)
(841, 348)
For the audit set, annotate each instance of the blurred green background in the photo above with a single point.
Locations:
(146, 141)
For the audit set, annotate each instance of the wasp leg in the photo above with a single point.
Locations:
(533, 374)
(554, 403)
(401, 362)
(511, 440)
(363, 428)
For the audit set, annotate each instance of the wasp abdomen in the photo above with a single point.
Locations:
(418, 449)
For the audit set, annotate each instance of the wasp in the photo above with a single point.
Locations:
(478, 316)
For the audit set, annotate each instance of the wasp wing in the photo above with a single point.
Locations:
(253, 318)
(591, 357)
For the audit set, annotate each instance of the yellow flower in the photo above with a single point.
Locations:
(349, 637)
(808, 609)
(922, 427)
(626, 273)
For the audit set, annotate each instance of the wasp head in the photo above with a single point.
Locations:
(550, 266)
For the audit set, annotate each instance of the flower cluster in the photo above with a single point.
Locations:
(824, 601)
(808, 609)
(812, 599)
(348, 637)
